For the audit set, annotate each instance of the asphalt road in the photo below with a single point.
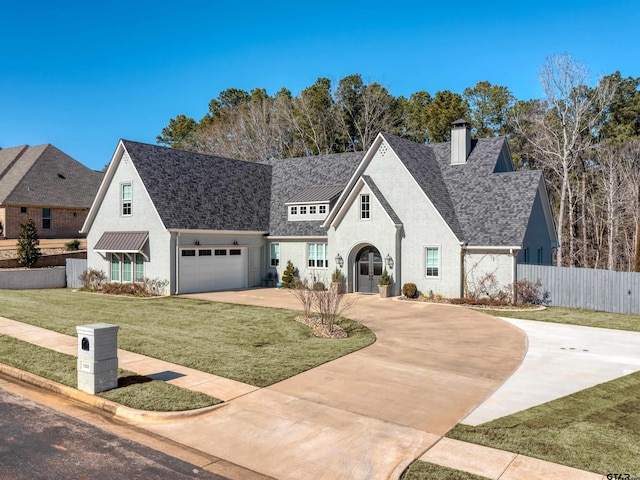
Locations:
(37, 442)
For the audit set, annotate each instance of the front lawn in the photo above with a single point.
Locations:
(133, 391)
(597, 429)
(254, 345)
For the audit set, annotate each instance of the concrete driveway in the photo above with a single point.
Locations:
(561, 360)
(369, 414)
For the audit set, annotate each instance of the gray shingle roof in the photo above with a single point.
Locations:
(291, 176)
(481, 207)
(44, 175)
(194, 191)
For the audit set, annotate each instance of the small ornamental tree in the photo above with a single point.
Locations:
(28, 241)
(289, 275)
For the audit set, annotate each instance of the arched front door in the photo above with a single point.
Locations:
(369, 269)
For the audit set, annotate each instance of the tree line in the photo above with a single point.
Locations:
(584, 135)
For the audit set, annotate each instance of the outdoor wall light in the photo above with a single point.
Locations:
(339, 261)
(389, 261)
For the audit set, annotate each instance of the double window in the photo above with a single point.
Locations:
(275, 254)
(127, 267)
(432, 261)
(126, 198)
(318, 257)
(365, 207)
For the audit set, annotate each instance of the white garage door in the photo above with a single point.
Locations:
(208, 269)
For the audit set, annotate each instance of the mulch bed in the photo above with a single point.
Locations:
(320, 330)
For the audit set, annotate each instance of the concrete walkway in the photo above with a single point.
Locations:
(366, 415)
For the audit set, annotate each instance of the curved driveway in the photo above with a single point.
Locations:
(368, 414)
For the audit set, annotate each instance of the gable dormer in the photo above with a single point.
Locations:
(313, 203)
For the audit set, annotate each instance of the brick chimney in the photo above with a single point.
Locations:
(460, 142)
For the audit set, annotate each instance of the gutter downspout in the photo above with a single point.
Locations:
(177, 263)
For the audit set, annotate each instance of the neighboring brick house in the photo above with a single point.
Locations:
(47, 185)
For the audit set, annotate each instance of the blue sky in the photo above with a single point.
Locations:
(82, 75)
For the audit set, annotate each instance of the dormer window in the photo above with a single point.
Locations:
(302, 212)
(126, 199)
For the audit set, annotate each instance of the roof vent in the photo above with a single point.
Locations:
(61, 176)
(460, 142)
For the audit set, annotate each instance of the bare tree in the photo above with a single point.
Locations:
(560, 127)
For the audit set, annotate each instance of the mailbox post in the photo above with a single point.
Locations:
(97, 357)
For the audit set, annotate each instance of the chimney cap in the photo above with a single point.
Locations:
(461, 122)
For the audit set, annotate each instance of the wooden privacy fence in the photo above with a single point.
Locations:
(604, 290)
(75, 267)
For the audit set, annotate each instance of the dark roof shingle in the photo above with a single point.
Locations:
(193, 191)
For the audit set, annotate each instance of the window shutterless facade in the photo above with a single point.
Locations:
(365, 207)
(126, 198)
(127, 267)
(275, 254)
(318, 255)
(303, 210)
(294, 210)
(46, 218)
(432, 262)
(322, 209)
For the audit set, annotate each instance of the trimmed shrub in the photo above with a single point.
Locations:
(289, 275)
(72, 245)
(410, 290)
(319, 287)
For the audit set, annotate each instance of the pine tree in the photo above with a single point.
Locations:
(289, 275)
(28, 241)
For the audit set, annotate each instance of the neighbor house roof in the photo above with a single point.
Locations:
(43, 175)
(193, 191)
(296, 178)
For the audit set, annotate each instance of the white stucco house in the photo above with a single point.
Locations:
(437, 215)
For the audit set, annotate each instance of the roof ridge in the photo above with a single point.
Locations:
(13, 162)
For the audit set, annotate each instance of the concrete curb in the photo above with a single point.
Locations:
(103, 404)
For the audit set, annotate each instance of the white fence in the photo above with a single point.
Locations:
(604, 290)
(75, 267)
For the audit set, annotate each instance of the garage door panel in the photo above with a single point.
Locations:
(218, 271)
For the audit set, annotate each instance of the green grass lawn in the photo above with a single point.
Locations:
(133, 391)
(255, 345)
(597, 429)
(574, 316)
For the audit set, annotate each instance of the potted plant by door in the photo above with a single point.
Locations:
(336, 280)
(384, 283)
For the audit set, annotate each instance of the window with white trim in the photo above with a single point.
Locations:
(365, 207)
(432, 261)
(303, 210)
(312, 210)
(322, 209)
(126, 195)
(127, 267)
(318, 255)
(294, 210)
(275, 254)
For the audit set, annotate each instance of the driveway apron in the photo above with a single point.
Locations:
(369, 414)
